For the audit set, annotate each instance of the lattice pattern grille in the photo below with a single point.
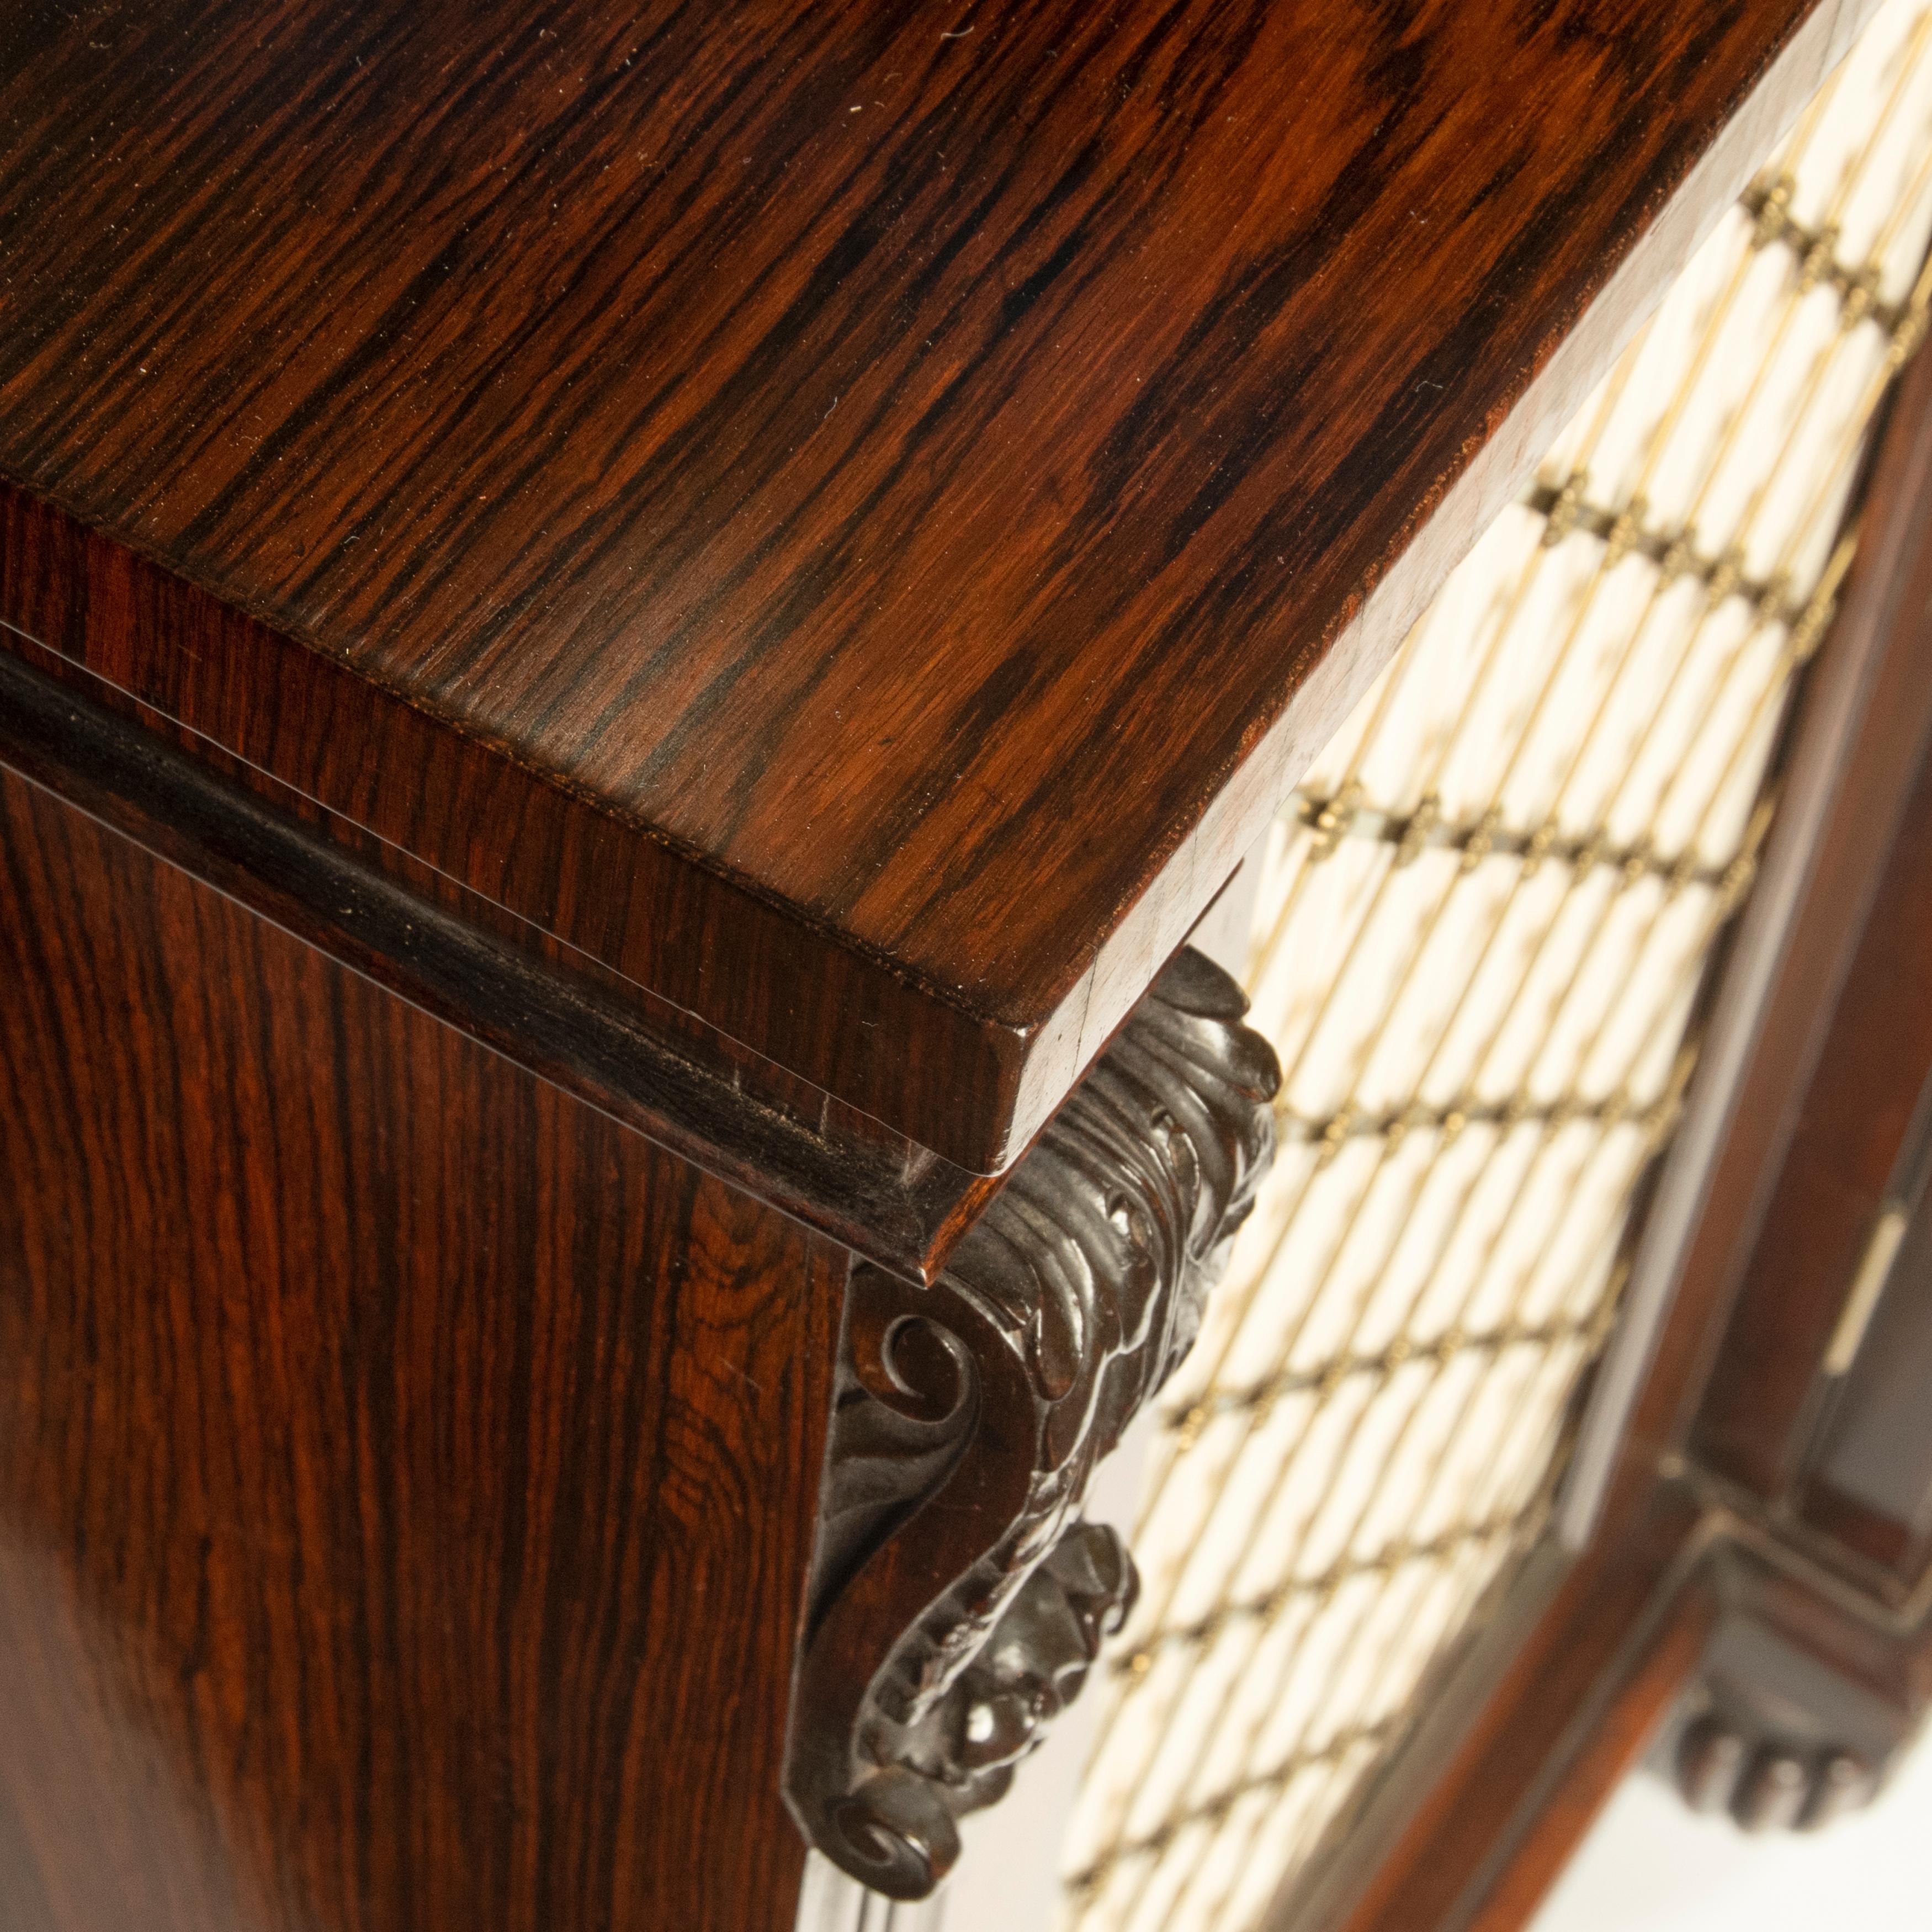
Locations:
(1482, 928)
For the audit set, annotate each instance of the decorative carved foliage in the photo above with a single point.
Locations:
(1766, 1783)
(958, 1597)
(1786, 1723)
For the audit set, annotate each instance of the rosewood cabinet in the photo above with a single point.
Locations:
(632, 640)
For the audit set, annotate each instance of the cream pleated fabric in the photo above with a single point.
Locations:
(1483, 928)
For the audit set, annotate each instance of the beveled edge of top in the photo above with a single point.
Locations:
(915, 1054)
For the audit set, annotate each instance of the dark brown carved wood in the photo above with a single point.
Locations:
(1771, 1734)
(851, 517)
(957, 1598)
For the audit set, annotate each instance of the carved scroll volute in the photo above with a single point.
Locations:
(958, 1599)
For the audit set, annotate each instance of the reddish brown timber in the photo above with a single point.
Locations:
(854, 517)
(898, 1205)
(407, 1474)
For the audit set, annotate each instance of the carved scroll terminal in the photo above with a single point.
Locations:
(958, 1597)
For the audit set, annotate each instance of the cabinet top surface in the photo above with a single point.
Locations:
(903, 458)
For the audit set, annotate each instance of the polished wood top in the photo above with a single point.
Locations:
(852, 514)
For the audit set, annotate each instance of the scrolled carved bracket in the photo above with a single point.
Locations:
(957, 1598)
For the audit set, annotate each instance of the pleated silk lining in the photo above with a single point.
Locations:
(1484, 924)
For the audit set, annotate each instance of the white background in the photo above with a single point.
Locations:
(1651, 1865)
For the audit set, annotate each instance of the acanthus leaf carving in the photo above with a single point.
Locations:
(958, 1597)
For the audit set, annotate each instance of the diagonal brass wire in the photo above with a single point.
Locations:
(1158, 1477)
(1717, 793)
(1572, 1188)
(1416, 951)
(1458, 1115)
(1471, 1574)
(1152, 1846)
(1471, 1398)
(1902, 341)
(1476, 1281)
(1332, 1375)
(1545, 841)
(1366, 1050)
(1338, 1669)
(1218, 1807)
(1179, 1569)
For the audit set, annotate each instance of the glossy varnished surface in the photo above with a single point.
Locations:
(900, 462)
(406, 1476)
(457, 956)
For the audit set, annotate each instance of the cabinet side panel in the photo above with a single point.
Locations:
(406, 1474)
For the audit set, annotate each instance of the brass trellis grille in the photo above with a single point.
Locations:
(1482, 927)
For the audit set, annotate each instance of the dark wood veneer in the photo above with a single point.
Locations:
(435, 946)
(1873, 1065)
(763, 563)
(407, 1476)
(852, 516)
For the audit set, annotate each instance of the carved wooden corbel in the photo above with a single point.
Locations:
(1767, 1782)
(957, 1598)
(1776, 1728)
